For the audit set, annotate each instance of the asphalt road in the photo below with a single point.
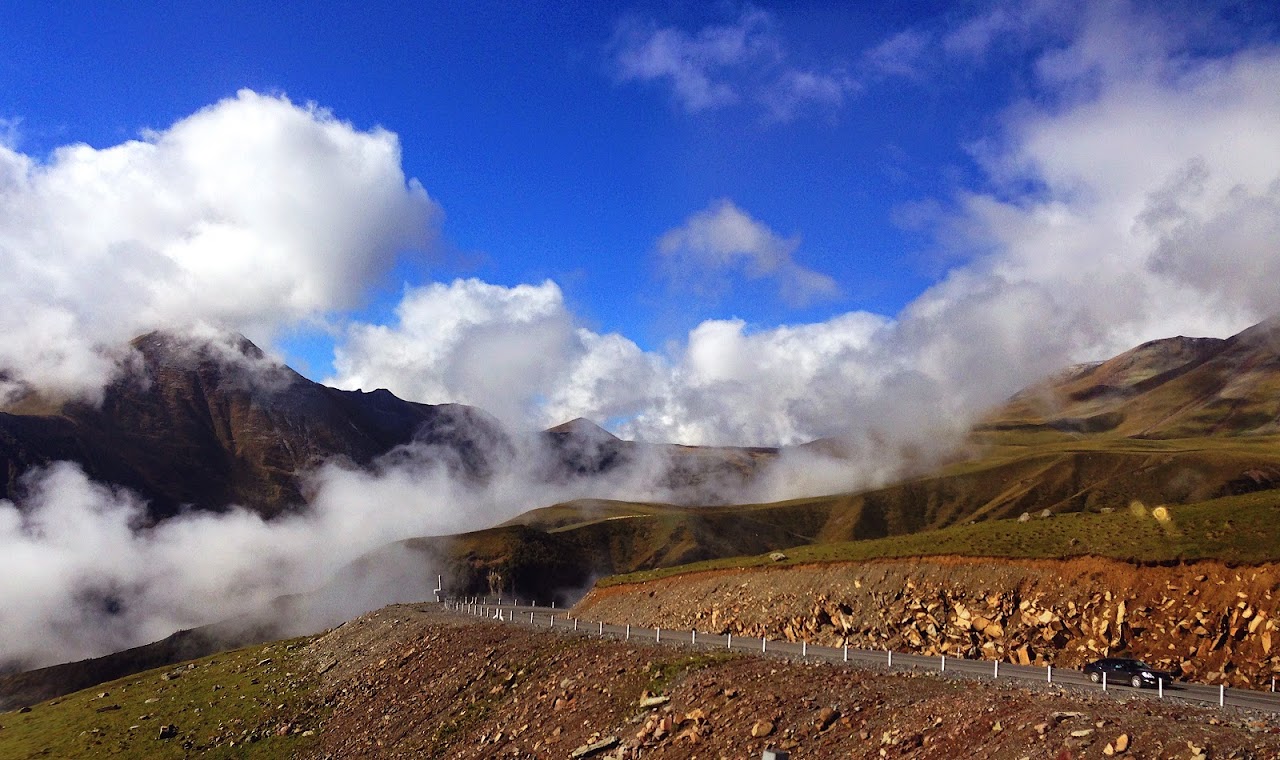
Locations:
(543, 617)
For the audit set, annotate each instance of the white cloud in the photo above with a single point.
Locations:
(723, 238)
(726, 64)
(1153, 212)
(253, 213)
(900, 54)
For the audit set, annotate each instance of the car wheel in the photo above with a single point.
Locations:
(1135, 682)
(1095, 677)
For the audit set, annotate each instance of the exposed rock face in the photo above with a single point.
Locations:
(1204, 621)
(210, 424)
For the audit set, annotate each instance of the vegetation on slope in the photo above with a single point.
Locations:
(214, 707)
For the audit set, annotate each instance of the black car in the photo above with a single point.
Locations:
(1136, 673)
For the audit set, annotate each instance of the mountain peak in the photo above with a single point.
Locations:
(582, 427)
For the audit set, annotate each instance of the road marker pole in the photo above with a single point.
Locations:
(601, 627)
(1160, 687)
(944, 664)
(1104, 681)
(1048, 674)
(575, 624)
(693, 637)
(764, 644)
(628, 632)
(553, 621)
(728, 642)
(804, 649)
(530, 618)
(996, 672)
(657, 634)
(1222, 695)
(890, 651)
(846, 652)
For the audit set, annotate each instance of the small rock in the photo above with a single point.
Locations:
(827, 716)
(761, 728)
(1122, 743)
(1082, 733)
(654, 701)
(777, 556)
(590, 749)
(996, 727)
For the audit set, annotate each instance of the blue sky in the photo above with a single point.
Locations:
(545, 164)
(890, 164)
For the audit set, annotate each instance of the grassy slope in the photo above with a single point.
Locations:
(235, 696)
(1239, 529)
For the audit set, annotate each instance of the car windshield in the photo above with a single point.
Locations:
(1141, 664)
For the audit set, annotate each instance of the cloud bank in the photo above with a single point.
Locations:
(254, 213)
(1133, 195)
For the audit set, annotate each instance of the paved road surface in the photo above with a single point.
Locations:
(543, 617)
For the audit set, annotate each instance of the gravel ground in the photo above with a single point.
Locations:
(413, 681)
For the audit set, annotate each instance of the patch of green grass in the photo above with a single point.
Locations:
(663, 674)
(1237, 529)
(230, 697)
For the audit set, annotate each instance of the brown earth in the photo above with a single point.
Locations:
(411, 682)
(1205, 621)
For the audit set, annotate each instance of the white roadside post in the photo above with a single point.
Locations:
(996, 670)
(1104, 681)
(890, 651)
(944, 664)
(1160, 687)
(804, 649)
(728, 642)
(764, 644)
(693, 637)
(1222, 695)
(628, 632)
(657, 634)
(846, 652)
(601, 627)
(1048, 674)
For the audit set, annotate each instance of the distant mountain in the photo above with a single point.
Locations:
(214, 423)
(1171, 388)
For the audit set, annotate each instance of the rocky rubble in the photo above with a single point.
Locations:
(1203, 621)
(411, 682)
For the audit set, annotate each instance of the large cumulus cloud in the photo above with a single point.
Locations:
(253, 213)
(1134, 194)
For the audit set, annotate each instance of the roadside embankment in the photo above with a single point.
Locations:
(1205, 621)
